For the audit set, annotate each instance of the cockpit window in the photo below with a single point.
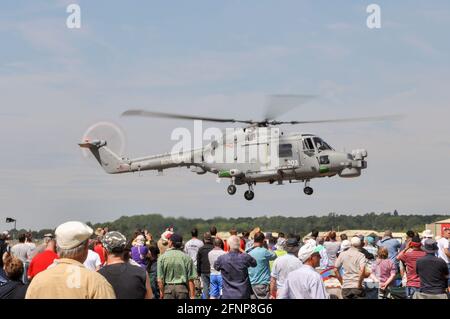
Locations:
(307, 144)
(321, 145)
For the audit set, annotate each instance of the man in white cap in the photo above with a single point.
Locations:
(67, 278)
(305, 282)
(354, 264)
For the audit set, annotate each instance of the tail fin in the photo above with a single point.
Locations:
(110, 162)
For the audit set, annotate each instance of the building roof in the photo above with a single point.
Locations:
(445, 221)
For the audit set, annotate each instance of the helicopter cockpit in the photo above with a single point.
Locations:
(311, 143)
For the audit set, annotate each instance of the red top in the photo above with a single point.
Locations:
(227, 248)
(40, 262)
(410, 258)
(101, 252)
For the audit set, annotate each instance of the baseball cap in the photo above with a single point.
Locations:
(113, 240)
(176, 238)
(71, 234)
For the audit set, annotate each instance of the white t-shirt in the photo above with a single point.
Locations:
(442, 244)
(92, 260)
(191, 248)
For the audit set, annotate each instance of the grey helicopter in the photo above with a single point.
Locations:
(258, 152)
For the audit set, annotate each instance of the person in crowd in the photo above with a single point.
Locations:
(30, 243)
(363, 249)
(369, 245)
(68, 272)
(409, 255)
(305, 282)
(260, 275)
(392, 245)
(370, 283)
(4, 247)
(345, 245)
(233, 232)
(433, 273)
(13, 268)
(270, 241)
(99, 249)
(215, 289)
(279, 249)
(246, 238)
(148, 238)
(332, 247)
(163, 242)
(128, 281)
(39, 249)
(41, 261)
(343, 237)
(320, 248)
(176, 272)
(409, 235)
(21, 250)
(213, 232)
(384, 270)
(443, 245)
(314, 234)
(203, 265)
(234, 270)
(353, 263)
(193, 245)
(281, 240)
(139, 252)
(284, 265)
(92, 261)
(427, 234)
(152, 269)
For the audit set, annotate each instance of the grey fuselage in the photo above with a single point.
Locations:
(297, 157)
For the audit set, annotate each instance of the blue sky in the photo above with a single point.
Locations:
(219, 58)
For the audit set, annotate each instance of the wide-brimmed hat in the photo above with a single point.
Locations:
(430, 246)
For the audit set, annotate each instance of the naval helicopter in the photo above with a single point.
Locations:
(280, 157)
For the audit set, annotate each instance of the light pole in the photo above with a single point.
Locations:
(12, 220)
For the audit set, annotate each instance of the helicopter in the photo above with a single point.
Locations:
(280, 157)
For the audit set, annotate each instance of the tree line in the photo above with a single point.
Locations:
(156, 223)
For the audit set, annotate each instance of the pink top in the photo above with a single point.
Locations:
(383, 269)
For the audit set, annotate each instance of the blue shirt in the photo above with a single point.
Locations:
(392, 245)
(260, 275)
(234, 269)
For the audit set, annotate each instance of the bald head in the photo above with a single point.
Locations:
(234, 243)
(388, 233)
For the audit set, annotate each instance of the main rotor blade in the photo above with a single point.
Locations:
(344, 120)
(278, 104)
(143, 113)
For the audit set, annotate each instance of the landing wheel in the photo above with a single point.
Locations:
(249, 195)
(308, 190)
(231, 189)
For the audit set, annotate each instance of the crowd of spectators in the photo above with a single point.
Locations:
(77, 262)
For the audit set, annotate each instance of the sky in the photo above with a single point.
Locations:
(219, 58)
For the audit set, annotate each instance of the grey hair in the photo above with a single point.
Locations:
(72, 253)
(234, 243)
